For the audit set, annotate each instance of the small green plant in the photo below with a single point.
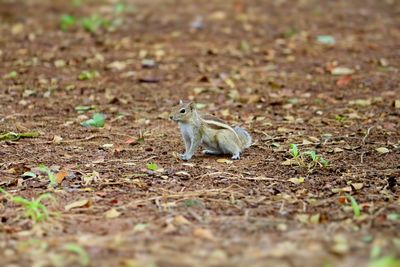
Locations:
(354, 206)
(34, 209)
(84, 257)
(67, 21)
(152, 166)
(98, 120)
(294, 151)
(340, 118)
(119, 8)
(387, 261)
(11, 75)
(302, 159)
(10, 136)
(192, 203)
(316, 159)
(50, 174)
(94, 23)
(88, 75)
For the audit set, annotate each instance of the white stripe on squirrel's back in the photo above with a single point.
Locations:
(221, 125)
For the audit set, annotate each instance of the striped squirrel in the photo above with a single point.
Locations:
(213, 134)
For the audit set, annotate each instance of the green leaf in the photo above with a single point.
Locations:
(340, 118)
(140, 227)
(88, 75)
(355, 206)
(151, 166)
(98, 120)
(394, 216)
(10, 136)
(45, 196)
(11, 75)
(67, 21)
(326, 39)
(50, 174)
(84, 257)
(324, 162)
(192, 203)
(119, 8)
(312, 154)
(294, 151)
(93, 23)
(388, 261)
(375, 251)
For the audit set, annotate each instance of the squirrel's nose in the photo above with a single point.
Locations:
(171, 117)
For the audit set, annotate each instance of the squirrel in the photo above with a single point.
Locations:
(216, 136)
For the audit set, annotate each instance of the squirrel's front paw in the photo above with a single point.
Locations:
(185, 157)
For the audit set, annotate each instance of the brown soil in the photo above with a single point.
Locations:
(253, 63)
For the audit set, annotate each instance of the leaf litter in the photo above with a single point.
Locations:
(285, 86)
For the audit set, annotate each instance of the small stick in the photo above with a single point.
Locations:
(366, 135)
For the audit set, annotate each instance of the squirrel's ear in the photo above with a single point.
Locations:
(192, 105)
(180, 102)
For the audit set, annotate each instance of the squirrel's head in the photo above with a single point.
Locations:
(183, 112)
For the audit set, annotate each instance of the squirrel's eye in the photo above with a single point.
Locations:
(182, 110)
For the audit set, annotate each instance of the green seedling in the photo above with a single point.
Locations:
(50, 174)
(354, 206)
(294, 151)
(317, 159)
(34, 209)
(340, 118)
(300, 159)
(66, 22)
(84, 258)
(77, 2)
(387, 261)
(94, 23)
(88, 75)
(192, 203)
(152, 166)
(11, 75)
(119, 8)
(10, 136)
(98, 120)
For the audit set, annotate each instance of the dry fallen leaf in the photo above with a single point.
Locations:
(361, 102)
(203, 233)
(60, 176)
(397, 103)
(337, 150)
(112, 213)
(342, 71)
(315, 219)
(343, 81)
(297, 180)
(180, 220)
(382, 150)
(83, 203)
(226, 161)
(117, 65)
(303, 218)
(357, 186)
(288, 162)
(344, 189)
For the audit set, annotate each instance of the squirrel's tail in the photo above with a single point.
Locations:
(244, 136)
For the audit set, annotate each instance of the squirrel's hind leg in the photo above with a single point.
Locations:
(228, 146)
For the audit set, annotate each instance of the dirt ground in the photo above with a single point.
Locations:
(320, 74)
